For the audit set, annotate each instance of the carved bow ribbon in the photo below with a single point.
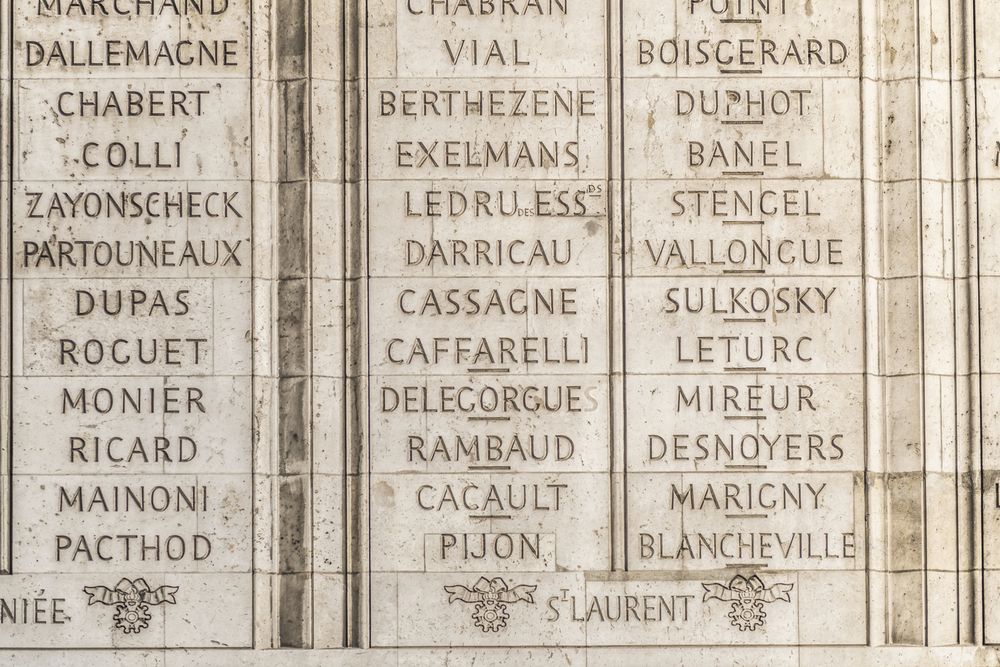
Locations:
(741, 588)
(491, 589)
(130, 589)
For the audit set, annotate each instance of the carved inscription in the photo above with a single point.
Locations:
(132, 264)
(744, 310)
(489, 312)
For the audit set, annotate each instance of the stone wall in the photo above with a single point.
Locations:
(577, 331)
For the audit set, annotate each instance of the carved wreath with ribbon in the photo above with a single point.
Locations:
(748, 596)
(131, 600)
(491, 597)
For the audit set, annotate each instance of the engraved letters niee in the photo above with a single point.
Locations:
(499, 331)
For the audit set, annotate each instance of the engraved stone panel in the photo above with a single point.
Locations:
(499, 332)
(744, 434)
(489, 317)
(131, 231)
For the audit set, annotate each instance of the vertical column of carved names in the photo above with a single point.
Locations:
(488, 251)
(132, 229)
(745, 316)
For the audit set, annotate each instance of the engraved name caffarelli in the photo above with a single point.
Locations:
(529, 350)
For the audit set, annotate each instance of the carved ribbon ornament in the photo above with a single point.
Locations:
(748, 596)
(491, 597)
(131, 600)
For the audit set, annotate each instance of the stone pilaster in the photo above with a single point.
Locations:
(283, 354)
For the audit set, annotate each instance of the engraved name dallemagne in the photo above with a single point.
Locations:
(491, 597)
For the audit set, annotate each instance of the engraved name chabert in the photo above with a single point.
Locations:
(131, 600)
